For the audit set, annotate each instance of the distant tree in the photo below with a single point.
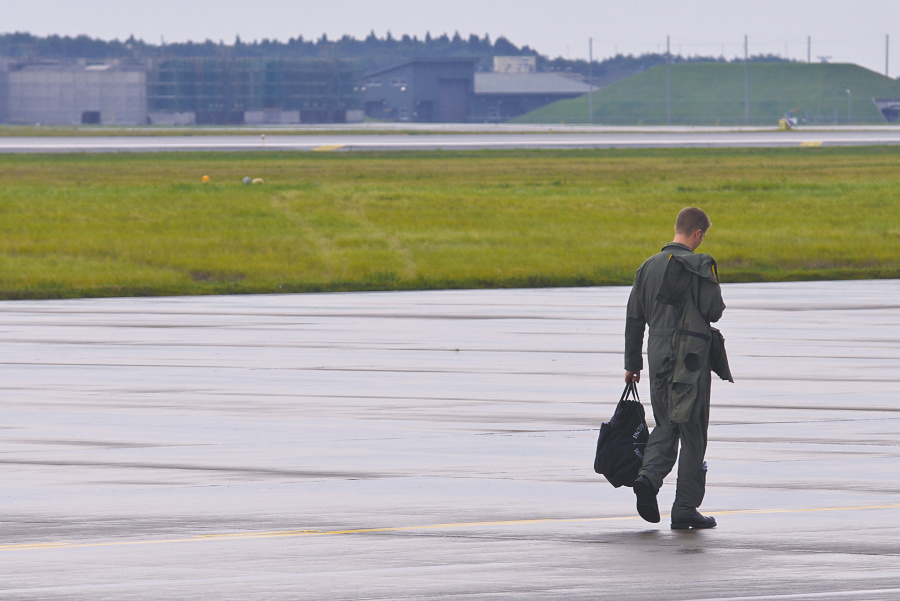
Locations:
(372, 52)
(503, 47)
(477, 46)
(766, 58)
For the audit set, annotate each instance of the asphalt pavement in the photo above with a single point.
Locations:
(435, 445)
(462, 137)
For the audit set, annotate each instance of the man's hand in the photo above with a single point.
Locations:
(632, 376)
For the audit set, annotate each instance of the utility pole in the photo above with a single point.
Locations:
(808, 49)
(849, 106)
(668, 84)
(591, 81)
(887, 53)
(746, 81)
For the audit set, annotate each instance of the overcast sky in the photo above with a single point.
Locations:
(847, 31)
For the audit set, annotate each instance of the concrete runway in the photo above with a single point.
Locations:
(435, 445)
(465, 138)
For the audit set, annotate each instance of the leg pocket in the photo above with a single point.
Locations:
(681, 401)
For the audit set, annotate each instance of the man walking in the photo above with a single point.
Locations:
(676, 292)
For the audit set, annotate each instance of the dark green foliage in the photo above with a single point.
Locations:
(372, 52)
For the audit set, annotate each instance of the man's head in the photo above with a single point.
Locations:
(691, 226)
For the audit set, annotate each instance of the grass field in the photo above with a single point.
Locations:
(713, 94)
(122, 225)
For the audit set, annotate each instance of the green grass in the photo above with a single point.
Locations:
(713, 94)
(122, 225)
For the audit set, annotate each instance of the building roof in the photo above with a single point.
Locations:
(426, 61)
(74, 66)
(528, 83)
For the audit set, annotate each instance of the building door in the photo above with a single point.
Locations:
(453, 101)
(425, 112)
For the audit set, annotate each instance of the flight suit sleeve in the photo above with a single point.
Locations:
(711, 304)
(635, 322)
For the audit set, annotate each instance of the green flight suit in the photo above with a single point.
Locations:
(676, 292)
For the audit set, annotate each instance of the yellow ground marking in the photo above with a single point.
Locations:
(328, 148)
(811, 143)
(299, 533)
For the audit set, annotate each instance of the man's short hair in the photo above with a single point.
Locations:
(690, 220)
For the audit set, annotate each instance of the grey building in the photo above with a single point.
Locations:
(252, 91)
(4, 91)
(889, 108)
(450, 91)
(180, 91)
(76, 93)
(502, 96)
(422, 90)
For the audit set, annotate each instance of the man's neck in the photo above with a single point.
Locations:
(679, 239)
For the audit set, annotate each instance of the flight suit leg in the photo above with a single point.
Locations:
(660, 454)
(691, 484)
(661, 451)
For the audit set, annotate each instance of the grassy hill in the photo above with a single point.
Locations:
(713, 94)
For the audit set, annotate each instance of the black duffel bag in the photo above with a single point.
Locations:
(620, 447)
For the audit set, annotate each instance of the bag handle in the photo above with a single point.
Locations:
(631, 388)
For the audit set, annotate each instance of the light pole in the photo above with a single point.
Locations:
(591, 81)
(668, 83)
(849, 106)
(746, 81)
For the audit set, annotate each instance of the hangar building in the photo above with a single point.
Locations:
(422, 90)
(450, 91)
(180, 91)
(75, 93)
(187, 91)
(501, 96)
(252, 91)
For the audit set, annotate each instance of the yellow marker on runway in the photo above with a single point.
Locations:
(811, 143)
(328, 148)
(301, 533)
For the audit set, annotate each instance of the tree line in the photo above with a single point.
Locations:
(373, 52)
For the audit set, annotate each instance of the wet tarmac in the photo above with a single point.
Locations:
(465, 138)
(435, 445)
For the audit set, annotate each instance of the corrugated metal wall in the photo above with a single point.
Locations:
(69, 95)
(226, 90)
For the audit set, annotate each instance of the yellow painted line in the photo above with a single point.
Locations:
(328, 148)
(299, 533)
(811, 143)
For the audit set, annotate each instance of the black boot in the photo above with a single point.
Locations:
(647, 507)
(693, 521)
